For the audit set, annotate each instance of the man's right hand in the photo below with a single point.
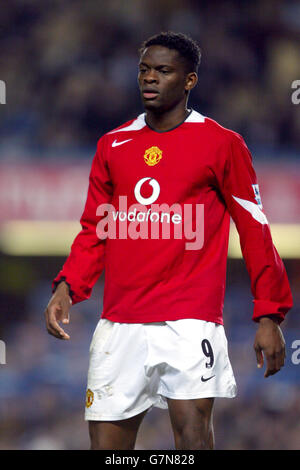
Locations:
(58, 311)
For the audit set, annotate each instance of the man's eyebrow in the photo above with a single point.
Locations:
(164, 65)
(157, 67)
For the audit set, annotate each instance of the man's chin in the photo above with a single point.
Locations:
(152, 105)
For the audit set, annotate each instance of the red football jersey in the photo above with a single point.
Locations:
(157, 219)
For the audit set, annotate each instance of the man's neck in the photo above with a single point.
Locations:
(167, 120)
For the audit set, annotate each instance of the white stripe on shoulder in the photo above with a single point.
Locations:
(195, 117)
(136, 125)
(254, 210)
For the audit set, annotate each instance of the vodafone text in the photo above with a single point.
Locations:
(134, 222)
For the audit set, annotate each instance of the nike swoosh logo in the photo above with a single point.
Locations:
(116, 144)
(205, 380)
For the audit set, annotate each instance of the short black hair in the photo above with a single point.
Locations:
(185, 45)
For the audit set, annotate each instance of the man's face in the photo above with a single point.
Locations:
(162, 78)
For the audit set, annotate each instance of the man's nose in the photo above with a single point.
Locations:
(151, 76)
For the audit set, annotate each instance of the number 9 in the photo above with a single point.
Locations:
(208, 352)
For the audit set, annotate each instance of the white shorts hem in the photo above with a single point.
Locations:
(89, 416)
(193, 396)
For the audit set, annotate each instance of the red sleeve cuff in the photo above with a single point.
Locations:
(264, 308)
(78, 291)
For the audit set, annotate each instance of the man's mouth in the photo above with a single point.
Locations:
(150, 94)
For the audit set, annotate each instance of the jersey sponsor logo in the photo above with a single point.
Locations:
(203, 379)
(89, 398)
(152, 156)
(116, 144)
(147, 200)
(257, 195)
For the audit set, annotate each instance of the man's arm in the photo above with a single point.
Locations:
(85, 262)
(269, 283)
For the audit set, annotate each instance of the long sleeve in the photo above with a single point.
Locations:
(86, 259)
(238, 185)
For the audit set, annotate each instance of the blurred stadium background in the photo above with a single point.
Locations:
(70, 72)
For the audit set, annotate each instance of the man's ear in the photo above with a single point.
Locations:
(191, 81)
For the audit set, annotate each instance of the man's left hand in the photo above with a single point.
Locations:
(269, 342)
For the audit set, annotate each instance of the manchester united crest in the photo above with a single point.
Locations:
(89, 398)
(152, 156)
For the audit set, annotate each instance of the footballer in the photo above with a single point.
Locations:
(160, 340)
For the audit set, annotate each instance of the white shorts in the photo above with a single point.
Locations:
(134, 366)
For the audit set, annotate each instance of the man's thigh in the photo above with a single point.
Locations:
(192, 423)
(116, 435)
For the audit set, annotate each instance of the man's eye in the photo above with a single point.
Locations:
(142, 70)
(165, 71)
